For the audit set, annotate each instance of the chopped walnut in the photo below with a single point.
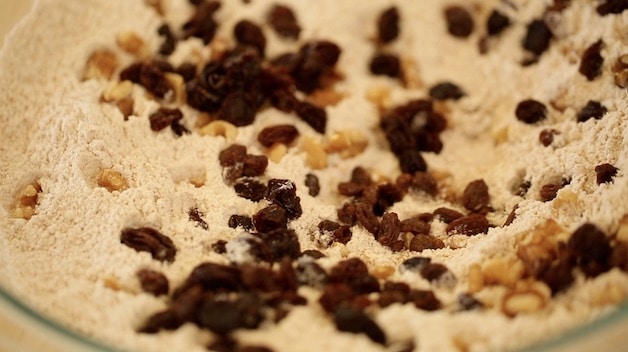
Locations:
(27, 201)
(277, 151)
(177, 83)
(316, 157)
(220, 128)
(411, 75)
(522, 302)
(383, 272)
(112, 180)
(120, 93)
(133, 44)
(476, 279)
(101, 64)
(348, 143)
(379, 96)
(502, 271)
(326, 97)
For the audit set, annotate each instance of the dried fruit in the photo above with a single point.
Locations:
(153, 282)
(447, 215)
(386, 64)
(548, 192)
(388, 25)
(284, 194)
(593, 109)
(469, 225)
(313, 185)
(281, 242)
(146, 239)
(232, 155)
(546, 137)
(356, 321)
(202, 23)
(475, 196)
(284, 134)
(530, 111)
(313, 115)
(496, 23)
(605, 173)
(248, 33)
(270, 218)
(243, 221)
(224, 316)
(421, 242)
(283, 20)
(592, 61)
(592, 249)
(459, 21)
(196, 216)
(611, 7)
(163, 118)
(538, 37)
(446, 91)
(250, 189)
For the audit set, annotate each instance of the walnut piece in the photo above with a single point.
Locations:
(522, 302)
(348, 143)
(220, 128)
(101, 64)
(316, 157)
(132, 44)
(27, 201)
(112, 180)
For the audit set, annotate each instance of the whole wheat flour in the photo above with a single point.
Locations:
(316, 175)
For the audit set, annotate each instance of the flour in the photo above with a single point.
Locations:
(67, 260)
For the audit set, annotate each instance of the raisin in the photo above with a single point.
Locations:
(196, 216)
(593, 109)
(153, 282)
(232, 155)
(469, 225)
(284, 194)
(546, 137)
(270, 218)
(388, 25)
(315, 60)
(365, 217)
(146, 239)
(447, 215)
(248, 33)
(445, 91)
(475, 196)
(237, 109)
(224, 316)
(254, 165)
(592, 249)
(220, 246)
(523, 188)
(538, 37)
(170, 41)
(187, 70)
(425, 182)
(202, 23)
(243, 221)
(530, 111)
(282, 243)
(284, 134)
(283, 20)
(393, 292)
(385, 65)
(163, 118)
(415, 225)
(148, 75)
(411, 161)
(200, 98)
(548, 192)
(433, 271)
(496, 23)
(389, 230)
(313, 115)
(387, 195)
(356, 321)
(313, 185)
(604, 173)
(424, 299)
(612, 7)
(558, 276)
(422, 242)
(511, 216)
(250, 189)
(592, 61)
(619, 256)
(459, 21)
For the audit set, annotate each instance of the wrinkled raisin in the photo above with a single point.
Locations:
(415, 225)
(388, 25)
(232, 155)
(530, 111)
(224, 316)
(546, 137)
(150, 76)
(612, 7)
(538, 37)
(248, 33)
(475, 195)
(459, 21)
(282, 243)
(593, 109)
(604, 173)
(270, 218)
(592, 249)
(315, 60)
(548, 192)
(254, 165)
(163, 118)
(313, 184)
(146, 239)
(469, 225)
(250, 189)
(284, 134)
(496, 23)
(424, 299)
(202, 23)
(313, 115)
(592, 61)
(356, 321)
(385, 64)
(422, 242)
(196, 216)
(237, 109)
(425, 182)
(283, 20)
(243, 221)
(153, 282)
(447, 215)
(411, 161)
(170, 41)
(445, 91)
(284, 194)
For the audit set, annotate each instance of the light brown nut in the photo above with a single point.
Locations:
(315, 155)
(220, 128)
(622, 230)
(610, 294)
(276, 152)
(132, 43)
(117, 91)
(476, 278)
(383, 272)
(379, 96)
(101, 64)
(178, 86)
(326, 97)
(502, 271)
(411, 74)
(112, 180)
(27, 201)
(348, 143)
(522, 302)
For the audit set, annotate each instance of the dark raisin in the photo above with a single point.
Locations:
(387, 195)
(202, 23)
(496, 23)
(612, 7)
(255, 348)
(447, 215)
(511, 216)
(604, 173)
(170, 41)
(270, 218)
(146, 239)
(388, 25)
(232, 155)
(592, 249)
(393, 292)
(200, 98)
(347, 214)
(224, 316)
(385, 65)
(196, 216)
(389, 230)
(530, 111)
(313, 115)
(428, 142)
(425, 182)
(220, 246)
(187, 70)
(422, 242)
(153, 282)
(469, 225)
(284, 194)
(282, 243)
(415, 225)
(548, 192)
(313, 185)
(243, 221)
(459, 21)
(254, 165)
(148, 75)
(558, 276)
(411, 161)
(250, 189)
(284, 134)
(424, 299)
(475, 196)
(356, 321)
(445, 91)
(213, 277)
(593, 109)
(365, 217)
(415, 264)
(313, 253)
(546, 137)
(538, 37)
(433, 271)
(237, 109)
(315, 60)
(592, 61)
(283, 20)
(248, 33)
(522, 188)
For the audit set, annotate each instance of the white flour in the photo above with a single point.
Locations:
(55, 131)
